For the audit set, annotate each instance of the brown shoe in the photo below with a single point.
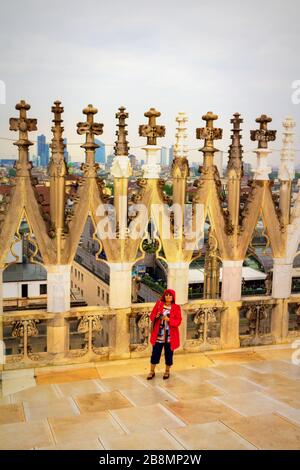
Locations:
(151, 375)
(166, 375)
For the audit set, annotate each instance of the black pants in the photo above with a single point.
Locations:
(156, 353)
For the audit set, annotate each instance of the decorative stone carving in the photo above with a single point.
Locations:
(152, 131)
(287, 154)
(90, 129)
(262, 135)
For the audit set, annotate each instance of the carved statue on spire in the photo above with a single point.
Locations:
(151, 130)
(90, 129)
(57, 165)
(236, 149)
(23, 124)
(180, 165)
(121, 147)
(262, 135)
(209, 133)
(287, 154)
(121, 167)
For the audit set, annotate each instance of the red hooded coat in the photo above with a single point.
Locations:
(175, 320)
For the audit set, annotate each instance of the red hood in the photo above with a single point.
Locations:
(169, 291)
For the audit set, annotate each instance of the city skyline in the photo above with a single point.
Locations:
(181, 66)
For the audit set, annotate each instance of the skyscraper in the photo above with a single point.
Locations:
(43, 150)
(171, 155)
(132, 159)
(163, 156)
(100, 152)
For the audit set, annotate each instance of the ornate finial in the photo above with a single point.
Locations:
(151, 130)
(181, 147)
(263, 135)
(209, 133)
(180, 165)
(57, 165)
(23, 124)
(235, 148)
(287, 154)
(121, 147)
(90, 128)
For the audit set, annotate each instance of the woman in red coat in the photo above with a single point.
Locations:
(166, 318)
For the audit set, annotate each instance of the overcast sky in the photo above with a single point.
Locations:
(191, 55)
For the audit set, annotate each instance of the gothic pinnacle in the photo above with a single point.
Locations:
(235, 148)
(121, 147)
(263, 135)
(151, 130)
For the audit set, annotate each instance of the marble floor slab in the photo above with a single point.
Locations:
(129, 382)
(252, 404)
(79, 388)
(289, 395)
(42, 394)
(160, 440)
(77, 445)
(146, 418)
(235, 357)
(11, 413)
(94, 402)
(84, 427)
(267, 431)
(72, 375)
(60, 408)
(201, 410)
(198, 376)
(210, 436)
(285, 368)
(291, 414)
(149, 396)
(184, 391)
(234, 385)
(23, 436)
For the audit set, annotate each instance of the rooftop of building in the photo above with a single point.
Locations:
(217, 400)
(19, 272)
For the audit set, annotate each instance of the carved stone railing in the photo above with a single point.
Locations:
(35, 338)
(90, 333)
(203, 324)
(140, 327)
(256, 322)
(25, 338)
(293, 310)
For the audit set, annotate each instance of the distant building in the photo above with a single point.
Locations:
(109, 160)
(100, 152)
(171, 155)
(7, 162)
(247, 169)
(133, 160)
(163, 156)
(43, 150)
